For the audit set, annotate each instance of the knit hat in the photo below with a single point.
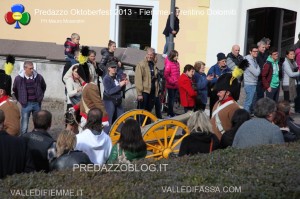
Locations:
(5, 82)
(229, 81)
(221, 56)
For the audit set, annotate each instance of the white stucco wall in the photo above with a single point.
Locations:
(227, 30)
(52, 75)
(55, 88)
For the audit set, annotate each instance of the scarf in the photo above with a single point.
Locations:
(4, 98)
(292, 85)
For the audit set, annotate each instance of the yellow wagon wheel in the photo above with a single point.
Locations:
(133, 114)
(164, 137)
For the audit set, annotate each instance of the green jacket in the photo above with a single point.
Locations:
(275, 75)
(113, 158)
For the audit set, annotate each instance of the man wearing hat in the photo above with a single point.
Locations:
(8, 106)
(227, 89)
(87, 68)
(216, 71)
(90, 98)
(225, 107)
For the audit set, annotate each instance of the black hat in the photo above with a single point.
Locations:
(223, 84)
(221, 56)
(230, 82)
(112, 64)
(9, 64)
(5, 82)
(83, 69)
(84, 53)
(84, 72)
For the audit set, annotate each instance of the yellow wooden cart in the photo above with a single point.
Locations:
(162, 137)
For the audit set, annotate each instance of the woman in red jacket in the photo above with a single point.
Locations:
(186, 91)
(171, 74)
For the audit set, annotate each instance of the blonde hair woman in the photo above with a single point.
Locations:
(66, 142)
(66, 155)
(201, 140)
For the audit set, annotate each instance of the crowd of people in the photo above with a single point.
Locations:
(262, 119)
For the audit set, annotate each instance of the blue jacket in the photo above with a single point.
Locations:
(110, 87)
(216, 71)
(201, 83)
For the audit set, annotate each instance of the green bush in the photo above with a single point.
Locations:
(262, 172)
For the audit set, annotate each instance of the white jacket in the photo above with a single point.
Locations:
(91, 69)
(97, 147)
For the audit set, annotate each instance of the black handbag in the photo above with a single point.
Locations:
(116, 100)
(210, 87)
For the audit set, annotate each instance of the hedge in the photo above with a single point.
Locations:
(262, 172)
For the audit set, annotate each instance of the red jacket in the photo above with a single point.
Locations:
(186, 91)
(266, 75)
(171, 74)
(70, 48)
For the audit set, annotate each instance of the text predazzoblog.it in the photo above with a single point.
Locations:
(120, 167)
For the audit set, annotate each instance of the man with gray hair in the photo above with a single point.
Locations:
(261, 60)
(29, 88)
(259, 130)
(234, 58)
(147, 88)
(268, 44)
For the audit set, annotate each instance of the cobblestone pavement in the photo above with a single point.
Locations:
(58, 122)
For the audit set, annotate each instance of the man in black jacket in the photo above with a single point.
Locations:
(40, 143)
(14, 155)
(234, 58)
(168, 30)
(261, 60)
